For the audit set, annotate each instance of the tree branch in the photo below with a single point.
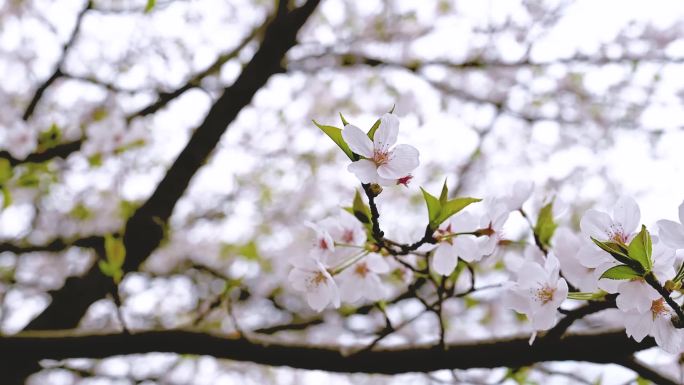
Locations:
(515, 352)
(144, 230)
(62, 150)
(55, 246)
(646, 372)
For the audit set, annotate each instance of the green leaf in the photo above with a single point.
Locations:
(6, 197)
(344, 121)
(620, 272)
(618, 251)
(360, 210)
(336, 135)
(640, 249)
(49, 138)
(115, 251)
(452, 207)
(250, 251)
(445, 193)
(105, 268)
(545, 226)
(371, 132)
(150, 5)
(5, 171)
(433, 206)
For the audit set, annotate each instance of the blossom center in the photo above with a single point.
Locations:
(323, 244)
(544, 294)
(316, 280)
(361, 270)
(617, 233)
(380, 157)
(348, 236)
(658, 308)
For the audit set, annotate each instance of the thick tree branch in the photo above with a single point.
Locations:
(62, 150)
(516, 352)
(144, 230)
(646, 372)
(55, 246)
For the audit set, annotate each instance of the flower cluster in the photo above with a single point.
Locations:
(612, 258)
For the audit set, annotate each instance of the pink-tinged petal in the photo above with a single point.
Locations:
(518, 301)
(386, 135)
(638, 325)
(681, 212)
(561, 293)
(636, 295)
(626, 212)
(374, 290)
(522, 190)
(365, 170)
(671, 233)
(377, 264)
(402, 160)
(444, 259)
(596, 224)
(589, 255)
(530, 274)
(358, 141)
(552, 266)
(464, 222)
(298, 279)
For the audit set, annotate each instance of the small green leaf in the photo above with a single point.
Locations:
(640, 249)
(371, 132)
(49, 138)
(5, 171)
(150, 5)
(545, 226)
(620, 272)
(115, 250)
(433, 206)
(452, 207)
(250, 251)
(6, 197)
(445, 193)
(336, 135)
(344, 121)
(360, 210)
(618, 251)
(105, 268)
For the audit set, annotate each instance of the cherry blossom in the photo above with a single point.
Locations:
(538, 292)
(522, 190)
(381, 163)
(671, 232)
(491, 225)
(618, 228)
(310, 276)
(452, 246)
(20, 141)
(567, 246)
(656, 322)
(362, 279)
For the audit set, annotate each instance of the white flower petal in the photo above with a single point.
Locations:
(365, 170)
(386, 135)
(681, 212)
(444, 260)
(358, 141)
(671, 233)
(377, 264)
(626, 212)
(402, 160)
(596, 224)
(666, 336)
(467, 248)
(638, 325)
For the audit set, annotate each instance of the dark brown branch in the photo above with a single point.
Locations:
(646, 372)
(144, 230)
(516, 352)
(62, 150)
(58, 67)
(573, 315)
(55, 246)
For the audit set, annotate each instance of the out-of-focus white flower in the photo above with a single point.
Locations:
(538, 292)
(522, 190)
(362, 279)
(381, 164)
(618, 228)
(336, 238)
(671, 232)
(20, 141)
(323, 244)
(491, 225)
(311, 277)
(656, 322)
(451, 246)
(566, 246)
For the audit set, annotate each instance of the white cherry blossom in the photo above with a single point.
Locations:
(491, 225)
(618, 228)
(20, 141)
(671, 232)
(522, 190)
(311, 277)
(567, 247)
(538, 292)
(362, 279)
(656, 322)
(381, 162)
(450, 248)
